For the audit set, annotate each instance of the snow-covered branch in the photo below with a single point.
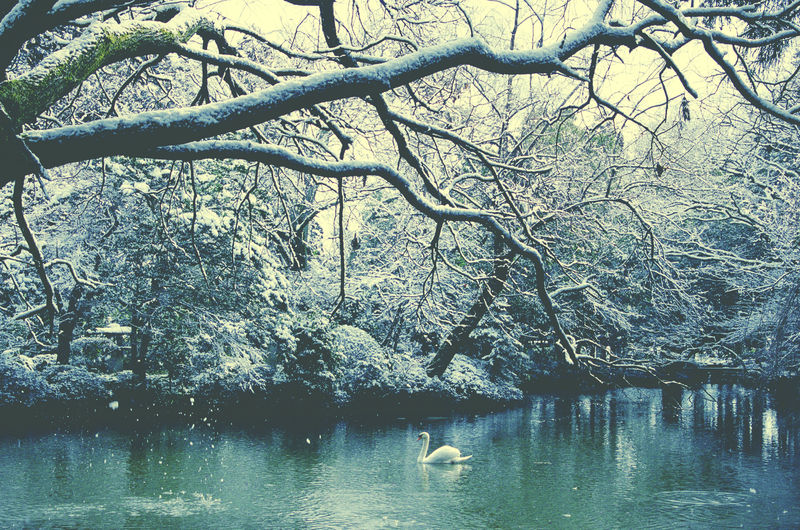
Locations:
(276, 156)
(30, 94)
(164, 127)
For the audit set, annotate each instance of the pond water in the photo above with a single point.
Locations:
(627, 458)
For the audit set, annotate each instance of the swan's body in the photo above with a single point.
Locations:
(444, 455)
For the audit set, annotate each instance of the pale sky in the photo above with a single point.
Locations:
(275, 17)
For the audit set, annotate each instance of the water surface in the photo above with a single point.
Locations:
(626, 458)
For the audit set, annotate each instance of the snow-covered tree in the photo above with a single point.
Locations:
(418, 101)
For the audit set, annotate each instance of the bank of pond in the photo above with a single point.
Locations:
(716, 456)
(38, 393)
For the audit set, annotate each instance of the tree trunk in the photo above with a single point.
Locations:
(66, 325)
(781, 332)
(140, 340)
(457, 338)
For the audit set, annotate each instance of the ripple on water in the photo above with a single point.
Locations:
(176, 507)
(700, 506)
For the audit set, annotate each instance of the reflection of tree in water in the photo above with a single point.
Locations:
(172, 461)
(745, 420)
(643, 433)
(671, 403)
(149, 457)
(62, 473)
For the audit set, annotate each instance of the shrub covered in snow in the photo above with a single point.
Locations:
(469, 378)
(231, 377)
(369, 371)
(21, 383)
(32, 381)
(306, 354)
(330, 365)
(76, 382)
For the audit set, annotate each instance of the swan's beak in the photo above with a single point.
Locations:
(419, 437)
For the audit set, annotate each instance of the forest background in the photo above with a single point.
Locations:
(383, 197)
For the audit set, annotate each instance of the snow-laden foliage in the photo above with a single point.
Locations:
(40, 380)
(21, 383)
(367, 374)
(389, 191)
(372, 372)
(230, 378)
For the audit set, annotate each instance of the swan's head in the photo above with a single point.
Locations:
(423, 435)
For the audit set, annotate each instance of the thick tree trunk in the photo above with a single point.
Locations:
(300, 241)
(66, 325)
(458, 336)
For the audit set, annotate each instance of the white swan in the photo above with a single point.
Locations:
(444, 455)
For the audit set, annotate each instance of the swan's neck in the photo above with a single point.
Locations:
(424, 451)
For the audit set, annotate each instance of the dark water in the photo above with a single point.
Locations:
(722, 457)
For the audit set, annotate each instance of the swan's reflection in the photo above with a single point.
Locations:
(441, 474)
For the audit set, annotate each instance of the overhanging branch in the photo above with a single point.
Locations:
(112, 136)
(30, 94)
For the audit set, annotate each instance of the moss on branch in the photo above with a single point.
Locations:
(27, 96)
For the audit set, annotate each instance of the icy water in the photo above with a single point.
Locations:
(721, 457)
